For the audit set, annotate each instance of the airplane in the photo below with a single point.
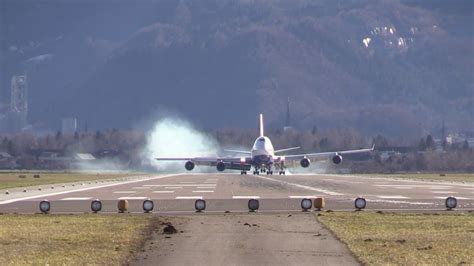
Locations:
(263, 158)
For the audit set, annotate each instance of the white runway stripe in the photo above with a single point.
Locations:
(392, 197)
(245, 197)
(124, 192)
(189, 197)
(133, 198)
(138, 188)
(459, 198)
(332, 193)
(203, 191)
(206, 187)
(181, 185)
(173, 187)
(444, 192)
(163, 191)
(78, 198)
(303, 197)
(84, 189)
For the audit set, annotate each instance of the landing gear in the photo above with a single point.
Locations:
(243, 172)
(256, 172)
(269, 172)
(282, 172)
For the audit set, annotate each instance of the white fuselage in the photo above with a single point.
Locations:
(263, 147)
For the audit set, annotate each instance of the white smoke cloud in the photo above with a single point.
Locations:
(174, 137)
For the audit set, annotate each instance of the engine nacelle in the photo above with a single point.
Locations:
(337, 159)
(220, 166)
(305, 162)
(189, 165)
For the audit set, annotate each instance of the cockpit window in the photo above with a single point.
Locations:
(261, 139)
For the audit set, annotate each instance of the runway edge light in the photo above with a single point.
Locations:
(148, 205)
(306, 204)
(45, 206)
(451, 203)
(200, 205)
(96, 206)
(360, 203)
(253, 205)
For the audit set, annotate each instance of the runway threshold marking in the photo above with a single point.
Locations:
(84, 189)
(77, 198)
(189, 197)
(205, 187)
(203, 191)
(332, 193)
(163, 191)
(173, 187)
(245, 197)
(124, 192)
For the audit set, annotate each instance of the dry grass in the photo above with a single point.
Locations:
(11, 180)
(403, 238)
(71, 239)
(457, 177)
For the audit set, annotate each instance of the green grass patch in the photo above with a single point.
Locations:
(71, 239)
(13, 179)
(404, 238)
(456, 177)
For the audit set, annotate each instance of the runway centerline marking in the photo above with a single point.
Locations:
(77, 198)
(332, 193)
(84, 189)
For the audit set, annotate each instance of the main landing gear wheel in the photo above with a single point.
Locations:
(282, 173)
(269, 172)
(255, 172)
(243, 172)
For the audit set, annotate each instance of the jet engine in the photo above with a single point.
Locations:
(189, 165)
(337, 159)
(305, 162)
(220, 166)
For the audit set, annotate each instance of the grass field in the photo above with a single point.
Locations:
(404, 238)
(11, 180)
(71, 239)
(457, 177)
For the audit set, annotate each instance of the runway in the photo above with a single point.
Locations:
(176, 193)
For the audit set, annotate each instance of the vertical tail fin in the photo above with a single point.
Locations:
(261, 125)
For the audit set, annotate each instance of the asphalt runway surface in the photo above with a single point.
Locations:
(176, 193)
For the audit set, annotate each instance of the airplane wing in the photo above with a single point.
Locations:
(287, 149)
(237, 151)
(325, 155)
(209, 161)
